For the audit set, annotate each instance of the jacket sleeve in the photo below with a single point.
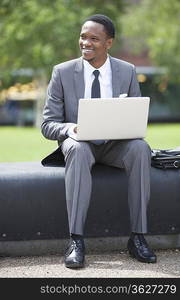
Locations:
(134, 89)
(53, 126)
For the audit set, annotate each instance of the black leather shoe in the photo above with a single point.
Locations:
(139, 249)
(75, 253)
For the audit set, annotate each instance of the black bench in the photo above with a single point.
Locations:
(33, 207)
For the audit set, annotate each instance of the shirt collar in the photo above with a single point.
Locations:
(104, 69)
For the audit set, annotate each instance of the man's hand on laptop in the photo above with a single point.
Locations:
(72, 132)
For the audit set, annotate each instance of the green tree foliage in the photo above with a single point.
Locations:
(156, 25)
(40, 33)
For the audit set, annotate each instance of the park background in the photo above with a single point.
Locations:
(37, 34)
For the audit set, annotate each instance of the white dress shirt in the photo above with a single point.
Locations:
(105, 80)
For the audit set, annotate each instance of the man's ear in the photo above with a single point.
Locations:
(109, 43)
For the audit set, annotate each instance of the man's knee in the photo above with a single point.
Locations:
(79, 147)
(139, 146)
(81, 150)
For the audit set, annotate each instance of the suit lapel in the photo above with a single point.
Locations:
(79, 79)
(116, 83)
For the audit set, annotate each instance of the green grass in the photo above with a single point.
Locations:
(28, 144)
(163, 136)
(23, 144)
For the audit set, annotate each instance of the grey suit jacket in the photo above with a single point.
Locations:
(67, 86)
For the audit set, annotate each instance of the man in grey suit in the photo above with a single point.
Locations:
(96, 74)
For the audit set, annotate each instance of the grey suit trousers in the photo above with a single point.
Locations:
(132, 155)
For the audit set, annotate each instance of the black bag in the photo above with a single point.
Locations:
(166, 159)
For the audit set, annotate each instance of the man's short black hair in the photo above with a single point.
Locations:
(104, 20)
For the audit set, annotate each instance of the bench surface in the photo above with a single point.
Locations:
(33, 205)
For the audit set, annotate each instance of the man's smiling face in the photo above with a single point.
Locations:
(94, 43)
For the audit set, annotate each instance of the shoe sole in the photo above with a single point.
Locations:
(74, 266)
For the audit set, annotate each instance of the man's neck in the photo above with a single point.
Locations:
(98, 64)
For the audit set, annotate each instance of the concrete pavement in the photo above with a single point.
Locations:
(115, 264)
(105, 258)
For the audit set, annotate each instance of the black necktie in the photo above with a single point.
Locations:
(95, 90)
(95, 93)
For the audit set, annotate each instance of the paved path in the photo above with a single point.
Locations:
(111, 264)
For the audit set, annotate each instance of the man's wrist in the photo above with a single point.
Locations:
(71, 130)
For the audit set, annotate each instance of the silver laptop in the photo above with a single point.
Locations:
(112, 118)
